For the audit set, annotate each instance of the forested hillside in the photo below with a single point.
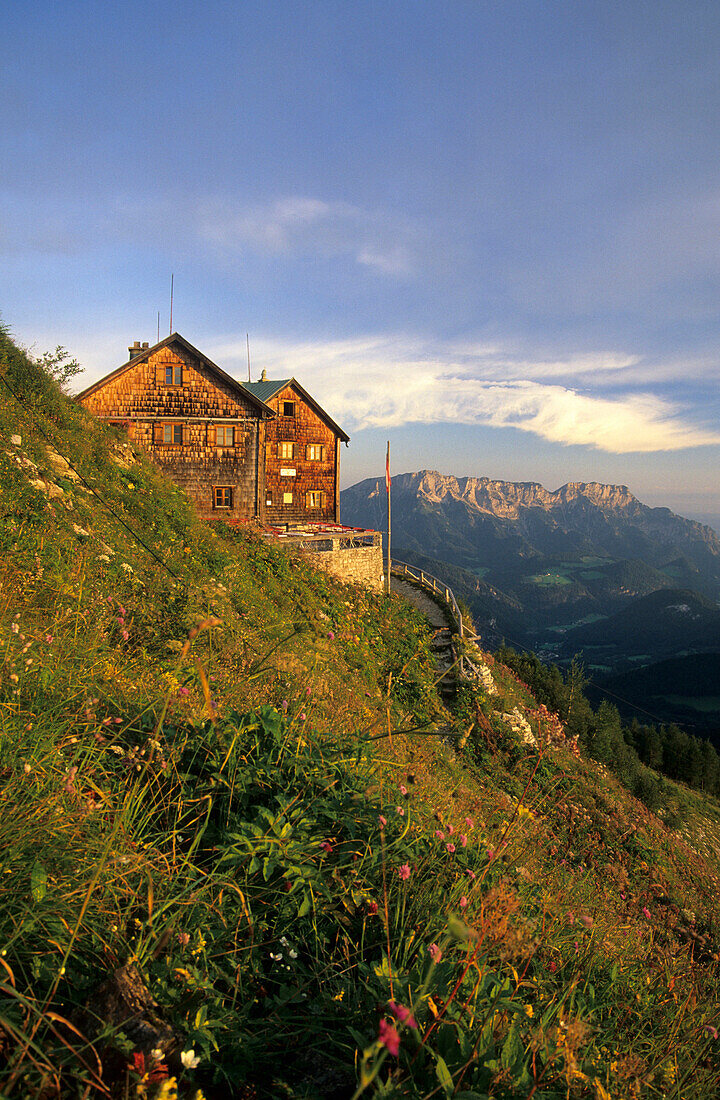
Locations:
(247, 852)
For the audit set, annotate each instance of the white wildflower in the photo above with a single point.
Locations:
(189, 1059)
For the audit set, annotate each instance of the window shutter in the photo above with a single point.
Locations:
(322, 453)
(323, 498)
(157, 433)
(212, 435)
(160, 374)
(307, 500)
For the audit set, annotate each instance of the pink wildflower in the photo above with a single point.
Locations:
(451, 828)
(471, 874)
(383, 821)
(434, 952)
(463, 840)
(587, 921)
(326, 846)
(302, 715)
(463, 902)
(469, 822)
(403, 789)
(48, 638)
(389, 1038)
(439, 834)
(646, 911)
(403, 1014)
(125, 635)
(450, 848)
(331, 634)
(372, 908)
(553, 966)
(399, 810)
(183, 691)
(491, 853)
(404, 871)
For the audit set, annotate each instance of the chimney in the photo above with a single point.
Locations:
(263, 376)
(134, 350)
(145, 345)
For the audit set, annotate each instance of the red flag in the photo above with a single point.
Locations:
(387, 470)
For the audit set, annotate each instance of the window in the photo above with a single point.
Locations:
(173, 375)
(288, 408)
(314, 452)
(286, 450)
(172, 433)
(287, 498)
(225, 435)
(314, 499)
(222, 496)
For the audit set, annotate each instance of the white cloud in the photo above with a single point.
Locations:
(296, 225)
(387, 382)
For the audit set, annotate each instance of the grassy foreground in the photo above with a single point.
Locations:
(246, 852)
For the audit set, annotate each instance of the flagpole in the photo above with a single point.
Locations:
(387, 486)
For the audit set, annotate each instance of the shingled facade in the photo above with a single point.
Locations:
(262, 451)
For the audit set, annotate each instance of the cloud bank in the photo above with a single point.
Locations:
(387, 383)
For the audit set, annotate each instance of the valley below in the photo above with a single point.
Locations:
(586, 572)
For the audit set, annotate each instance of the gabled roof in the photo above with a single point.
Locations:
(265, 389)
(268, 389)
(213, 368)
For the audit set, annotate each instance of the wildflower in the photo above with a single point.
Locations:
(646, 911)
(587, 921)
(389, 1038)
(450, 848)
(125, 635)
(27, 769)
(372, 908)
(403, 1014)
(434, 952)
(276, 958)
(399, 810)
(15, 628)
(470, 874)
(183, 939)
(451, 828)
(491, 853)
(404, 871)
(189, 1059)
(403, 790)
(127, 568)
(284, 706)
(711, 1030)
(292, 954)
(302, 716)
(326, 846)
(48, 638)
(553, 966)
(469, 822)
(331, 634)
(383, 821)
(439, 834)
(463, 902)
(463, 840)
(284, 941)
(183, 691)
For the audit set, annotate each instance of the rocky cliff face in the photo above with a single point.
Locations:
(506, 500)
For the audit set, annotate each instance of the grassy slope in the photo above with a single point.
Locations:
(205, 801)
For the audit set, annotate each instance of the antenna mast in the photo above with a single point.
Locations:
(158, 339)
(247, 337)
(172, 282)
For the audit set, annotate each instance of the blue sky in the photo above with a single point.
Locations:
(488, 231)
